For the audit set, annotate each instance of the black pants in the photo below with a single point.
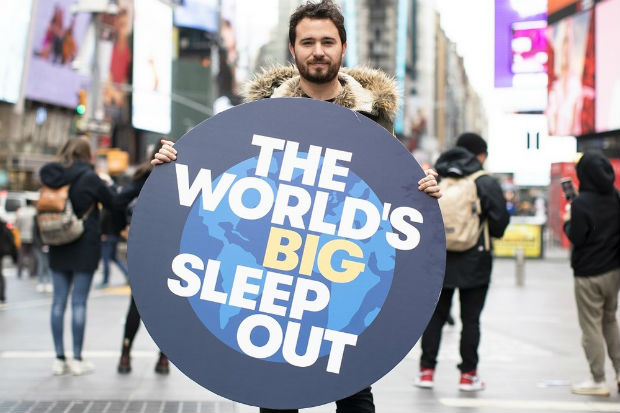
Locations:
(472, 302)
(360, 402)
(132, 322)
(2, 283)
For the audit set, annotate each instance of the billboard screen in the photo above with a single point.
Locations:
(152, 66)
(570, 109)
(557, 5)
(115, 59)
(57, 38)
(197, 14)
(517, 39)
(14, 23)
(607, 66)
(529, 47)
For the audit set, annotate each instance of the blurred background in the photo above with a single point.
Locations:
(539, 79)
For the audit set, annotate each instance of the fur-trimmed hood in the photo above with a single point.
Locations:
(365, 90)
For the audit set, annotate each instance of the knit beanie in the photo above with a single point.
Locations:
(472, 142)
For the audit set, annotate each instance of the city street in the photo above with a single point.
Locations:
(530, 353)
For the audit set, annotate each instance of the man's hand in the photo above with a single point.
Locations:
(166, 154)
(429, 184)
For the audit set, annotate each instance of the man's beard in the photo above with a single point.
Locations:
(324, 76)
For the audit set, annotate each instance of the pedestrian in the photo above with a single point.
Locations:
(74, 264)
(317, 42)
(469, 271)
(7, 247)
(593, 228)
(132, 320)
(24, 221)
(41, 255)
(112, 223)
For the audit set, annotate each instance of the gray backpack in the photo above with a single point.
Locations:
(58, 224)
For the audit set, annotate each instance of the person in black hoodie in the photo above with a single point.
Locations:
(132, 321)
(470, 270)
(74, 264)
(593, 227)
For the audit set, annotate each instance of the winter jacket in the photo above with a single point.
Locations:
(7, 242)
(112, 221)
(86, 190)
(594, 227)
(472, 268)
(367, 91)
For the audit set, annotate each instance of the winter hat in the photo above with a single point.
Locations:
(472, 142)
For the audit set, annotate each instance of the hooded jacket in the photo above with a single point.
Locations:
(472, 268)
(594, 227)
(86, 190)
(367, 91)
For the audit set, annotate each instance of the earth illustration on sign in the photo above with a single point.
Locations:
(223, 236)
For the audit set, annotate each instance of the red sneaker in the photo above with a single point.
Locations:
(425, 378)
(470, 381)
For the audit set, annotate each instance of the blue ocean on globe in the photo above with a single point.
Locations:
(221, 235)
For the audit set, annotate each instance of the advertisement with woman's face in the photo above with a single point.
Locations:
(571, 91)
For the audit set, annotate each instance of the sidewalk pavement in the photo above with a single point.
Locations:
(529, 354)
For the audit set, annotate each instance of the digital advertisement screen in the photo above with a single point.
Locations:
(529, 47)
(557, 5)
(607, 66)
(152, 66)
(115, 56)
(519, 47)
(57, 38)
(14, 23)
(197, 14)
(570, 110)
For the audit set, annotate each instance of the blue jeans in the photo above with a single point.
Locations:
(108, 253)
(62, 285)
(43, 265)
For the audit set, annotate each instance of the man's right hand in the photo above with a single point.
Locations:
(166, 154)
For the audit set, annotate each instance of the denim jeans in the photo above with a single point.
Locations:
(108, 253)
(43, 265)
(62, 285)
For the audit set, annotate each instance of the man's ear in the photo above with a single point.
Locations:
(291, 49)
(344, 48)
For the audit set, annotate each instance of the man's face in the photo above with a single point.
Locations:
(318, 50)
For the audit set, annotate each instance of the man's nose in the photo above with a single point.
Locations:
(318, 50)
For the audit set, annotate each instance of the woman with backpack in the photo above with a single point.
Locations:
(73, 264)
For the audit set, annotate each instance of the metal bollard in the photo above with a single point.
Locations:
(520, 266)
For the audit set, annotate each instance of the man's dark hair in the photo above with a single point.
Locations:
(326, 9)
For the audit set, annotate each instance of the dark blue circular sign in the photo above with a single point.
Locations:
(287, 258)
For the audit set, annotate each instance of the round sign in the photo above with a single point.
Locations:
(286, 259)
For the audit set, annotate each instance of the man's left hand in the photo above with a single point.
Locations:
(429, 184)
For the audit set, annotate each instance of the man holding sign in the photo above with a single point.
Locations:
(317, 43)
(318, 39)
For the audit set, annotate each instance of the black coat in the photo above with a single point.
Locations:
(7, 243)
(86, 190)
(472, 268)
(594, 227)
